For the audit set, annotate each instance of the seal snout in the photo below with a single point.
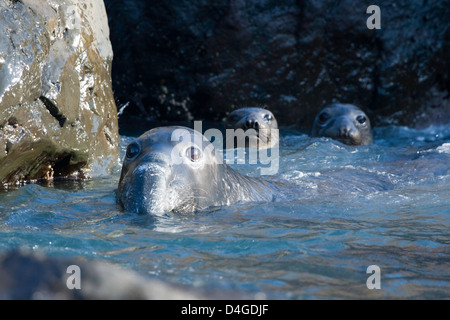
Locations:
(155, 158)
(346, 129)
(252, 123)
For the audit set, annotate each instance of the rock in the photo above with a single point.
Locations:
(57, 111)
(26, 275)
(197, 59)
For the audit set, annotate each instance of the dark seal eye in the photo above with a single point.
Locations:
(133, 150)
(361, 119)
(193, 153)
(268, 117)
(324, 117)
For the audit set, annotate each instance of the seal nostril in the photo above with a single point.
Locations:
(344, 131)
(252, 124)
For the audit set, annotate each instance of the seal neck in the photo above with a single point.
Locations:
(238, 187)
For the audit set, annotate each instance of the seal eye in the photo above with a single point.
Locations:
(324, 117)
(193, 153)
(361, 119)
(133, 150)
(268, 117)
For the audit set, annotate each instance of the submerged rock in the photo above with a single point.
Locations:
(26, 275)
(197, 59)
(58, 117)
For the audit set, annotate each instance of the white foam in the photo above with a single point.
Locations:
(445, 148)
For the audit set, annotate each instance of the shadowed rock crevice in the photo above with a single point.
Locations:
(53, 111)
(41, 160)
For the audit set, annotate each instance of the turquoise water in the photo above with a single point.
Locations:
(389, 206)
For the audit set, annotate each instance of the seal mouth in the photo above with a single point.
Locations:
(254, 138)
(348, 136)
(266, 137)
(348, 140)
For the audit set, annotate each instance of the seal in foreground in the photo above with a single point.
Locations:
(176, 169)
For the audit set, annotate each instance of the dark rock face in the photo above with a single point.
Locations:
(57, 111)
(199, 59)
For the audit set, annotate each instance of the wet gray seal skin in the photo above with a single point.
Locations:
(176, 169)
(345, 123)
(257, 123)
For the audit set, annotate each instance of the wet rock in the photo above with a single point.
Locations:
(197, 59)
(58, 116)
(26, 275)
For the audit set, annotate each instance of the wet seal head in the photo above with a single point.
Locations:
(158, 166)
(176, 169)
(259, 128)
(345, 123)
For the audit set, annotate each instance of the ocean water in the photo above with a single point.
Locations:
(388, 205)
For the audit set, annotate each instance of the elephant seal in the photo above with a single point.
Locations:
(259, 125)
(343, 122)
(176, 169)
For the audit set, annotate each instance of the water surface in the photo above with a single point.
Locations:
(388, 205)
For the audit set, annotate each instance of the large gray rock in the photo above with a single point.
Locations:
(28, 275)
(197, 59)
(57, 111)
